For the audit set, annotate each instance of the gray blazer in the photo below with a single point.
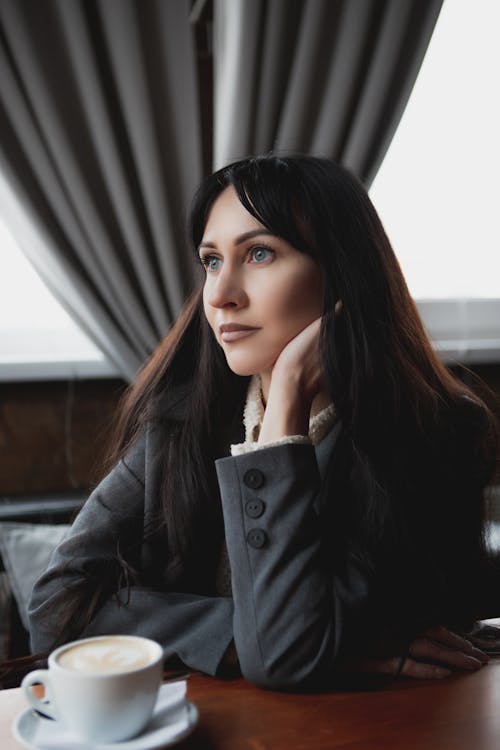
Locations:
(286, 615)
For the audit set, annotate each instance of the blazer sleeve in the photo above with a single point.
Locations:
(287, 611)
(197, 629)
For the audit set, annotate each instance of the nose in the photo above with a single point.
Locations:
(225, 290)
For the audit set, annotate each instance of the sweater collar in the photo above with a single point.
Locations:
(253, 414)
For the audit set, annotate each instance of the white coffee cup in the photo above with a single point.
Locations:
(104, 689)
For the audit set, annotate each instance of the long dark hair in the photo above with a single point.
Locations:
(418, 447)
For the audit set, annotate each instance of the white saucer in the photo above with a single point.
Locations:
(166, 728)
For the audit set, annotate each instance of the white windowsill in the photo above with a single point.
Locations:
(480, 352)
(62, 369)
(465, 331)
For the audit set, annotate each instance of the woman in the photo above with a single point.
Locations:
(297, 482)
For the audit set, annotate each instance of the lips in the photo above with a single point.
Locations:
(234, 332)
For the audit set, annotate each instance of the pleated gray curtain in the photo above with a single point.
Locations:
(100, 129)
(100, 137)
(324, 77)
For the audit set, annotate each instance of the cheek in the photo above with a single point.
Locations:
(207, 309)
(298, 304)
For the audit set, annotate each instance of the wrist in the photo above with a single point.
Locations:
(285, 414)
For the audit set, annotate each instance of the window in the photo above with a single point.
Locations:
(38, 339)
(437, 189)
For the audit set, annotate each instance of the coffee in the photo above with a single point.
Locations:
(108, 655)
(103, 689)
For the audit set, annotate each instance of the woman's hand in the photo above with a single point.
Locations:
(298, 366)
(435, 653)
(296, 380)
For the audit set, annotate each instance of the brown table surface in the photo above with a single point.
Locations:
(461, 712)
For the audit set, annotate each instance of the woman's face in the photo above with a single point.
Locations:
(260, 292)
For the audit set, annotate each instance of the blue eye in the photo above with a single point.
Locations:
(260, 254)
(210, 262)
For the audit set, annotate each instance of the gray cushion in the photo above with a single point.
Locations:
(26, 549)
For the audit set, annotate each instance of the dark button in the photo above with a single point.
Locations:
(256, 538)
(253, 478)
(255, 508)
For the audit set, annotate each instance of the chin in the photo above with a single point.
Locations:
(241, 371)
(245, 367)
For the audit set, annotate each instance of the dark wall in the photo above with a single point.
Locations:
(53, 434)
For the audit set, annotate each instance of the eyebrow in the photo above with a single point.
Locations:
(241, 237)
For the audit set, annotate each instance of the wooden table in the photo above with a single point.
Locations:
(459, 713)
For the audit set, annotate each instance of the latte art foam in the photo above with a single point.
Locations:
(107, 656)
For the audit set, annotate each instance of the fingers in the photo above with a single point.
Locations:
(298, 365)
(440, 634)
(485, 637)
(452, 640)
(426, 650)
(423, 671)
(435, 654)
(488, 647)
